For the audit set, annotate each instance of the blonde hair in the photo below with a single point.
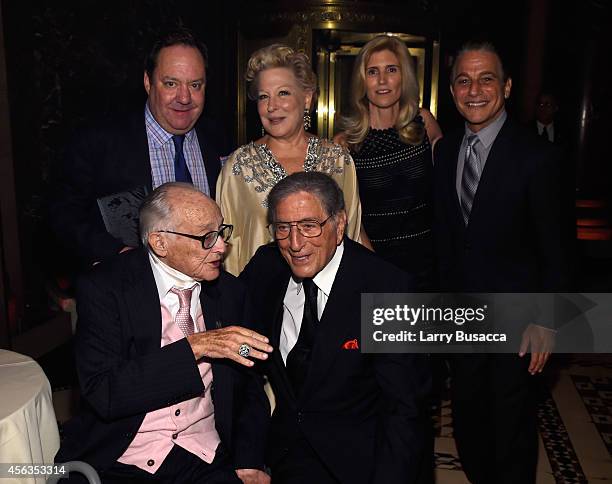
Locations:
(357, 124)
(280, 55)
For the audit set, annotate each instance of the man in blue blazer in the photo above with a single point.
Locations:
(167, 141)
(498, 228)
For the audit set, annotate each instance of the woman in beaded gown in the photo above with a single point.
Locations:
(283, 85)
(391, 142)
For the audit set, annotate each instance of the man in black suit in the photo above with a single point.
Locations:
(167, 391)
(498, 229)
(340, 416)
(167, 141)
(545, 124)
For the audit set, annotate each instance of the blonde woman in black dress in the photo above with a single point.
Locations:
(391, 142)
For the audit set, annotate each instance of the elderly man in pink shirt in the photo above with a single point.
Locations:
(165, 357)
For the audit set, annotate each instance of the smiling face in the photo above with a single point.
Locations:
(195, 214)
(308, 256)
(281, 102)
(478, 88)
(176, 90)
(383, 79)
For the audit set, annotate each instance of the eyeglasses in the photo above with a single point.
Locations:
(308, 228)
(210, 238)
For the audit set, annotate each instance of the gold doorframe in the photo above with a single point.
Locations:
(330, 32)
(349, 46)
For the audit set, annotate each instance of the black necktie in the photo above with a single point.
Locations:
(470, 177)
(181, 172)
(298, 358)
(544, 133)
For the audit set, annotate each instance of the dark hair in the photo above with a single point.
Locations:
(318, 184)
(478, 45)
(180, 36)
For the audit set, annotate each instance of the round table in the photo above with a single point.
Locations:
(28, 429)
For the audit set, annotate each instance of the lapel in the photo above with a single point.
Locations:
(454, 145)
(278, 288)
(211, 305)
(337, 320)
(142, 301)
(136, 151)
(212, 163)
(493, 176)
(210, 299)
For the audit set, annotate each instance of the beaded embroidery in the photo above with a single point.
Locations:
(257, 165)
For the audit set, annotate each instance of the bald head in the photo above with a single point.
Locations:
(173, 218)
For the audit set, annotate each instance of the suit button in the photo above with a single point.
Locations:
(300, 417)
(178, 412)
(150, 462)
(174, 436)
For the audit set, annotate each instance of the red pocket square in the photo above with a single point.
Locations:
(351, 344)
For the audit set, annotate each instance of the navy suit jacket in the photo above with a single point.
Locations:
(515, 240)
(108, 158)
(123, 372)
(365, 415)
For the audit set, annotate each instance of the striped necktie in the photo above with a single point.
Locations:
(470, 177)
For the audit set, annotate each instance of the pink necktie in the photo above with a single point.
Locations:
(183, 317)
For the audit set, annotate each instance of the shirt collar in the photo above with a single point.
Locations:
(324, 280)
(488, 134)
(542, 126)
(158, 134)
(166, 277)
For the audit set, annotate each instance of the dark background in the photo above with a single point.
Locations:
(73, 60)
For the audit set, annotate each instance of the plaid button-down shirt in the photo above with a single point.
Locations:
(161, 154)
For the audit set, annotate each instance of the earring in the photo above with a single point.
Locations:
(307, 119)
(263, 131)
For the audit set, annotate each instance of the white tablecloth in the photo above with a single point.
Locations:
(28, 429)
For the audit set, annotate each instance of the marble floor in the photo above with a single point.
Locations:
(575, 424)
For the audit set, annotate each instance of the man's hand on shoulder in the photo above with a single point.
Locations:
(253, 476)
(226, 342)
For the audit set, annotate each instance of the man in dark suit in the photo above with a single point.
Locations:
(167, 141)
(545, 124)
(167, 389)
(498, 229)
(340, 416)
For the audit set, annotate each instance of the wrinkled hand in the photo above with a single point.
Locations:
(225, 342)
(540, 341)
(253, 476)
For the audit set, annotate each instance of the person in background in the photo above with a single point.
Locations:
(283, 85)
(546, 125)
(391, 141)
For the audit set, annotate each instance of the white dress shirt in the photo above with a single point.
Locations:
(165, 279)
(293, 304)
(550, 130)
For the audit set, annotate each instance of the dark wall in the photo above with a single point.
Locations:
(71, 61)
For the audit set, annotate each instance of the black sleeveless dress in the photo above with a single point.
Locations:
(395, 188)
